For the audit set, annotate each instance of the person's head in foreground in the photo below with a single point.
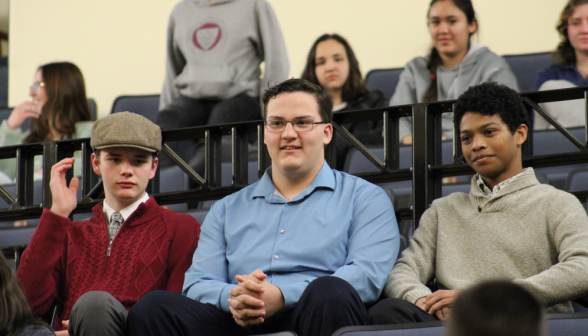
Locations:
(297, 117)
(493, 126)
(125, 148)
(496, 308)
(15, 314)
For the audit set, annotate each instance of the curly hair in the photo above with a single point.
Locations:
(491, 99)
(565, 54)
(354, 85)
(322, 96)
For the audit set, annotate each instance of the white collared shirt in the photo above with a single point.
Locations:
(491, 193)
(126, 212)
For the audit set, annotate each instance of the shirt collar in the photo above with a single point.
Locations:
(126, 212)
(266, 188)
(491, 193)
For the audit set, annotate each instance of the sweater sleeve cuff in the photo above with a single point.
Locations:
(53, 224)
(413, 296)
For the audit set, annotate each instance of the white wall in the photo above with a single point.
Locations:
(120, 44)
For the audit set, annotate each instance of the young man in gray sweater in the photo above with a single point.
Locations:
(509, 226)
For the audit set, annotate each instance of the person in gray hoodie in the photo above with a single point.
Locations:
(214, 52)
(453, 65)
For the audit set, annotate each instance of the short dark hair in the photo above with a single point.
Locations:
(322, 96)
(354, 86)
(496, 308)
(490, 99)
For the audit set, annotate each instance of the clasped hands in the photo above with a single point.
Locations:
(254, 299)
(438, 303)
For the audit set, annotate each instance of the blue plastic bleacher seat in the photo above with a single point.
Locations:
(199, 215)
(384, 80)
(557, 324)
(410, 329)
(577, 180)
(357, 163)
(145, 105)
(526, 67)
(173, 179)
(226, 173)
(551, 142)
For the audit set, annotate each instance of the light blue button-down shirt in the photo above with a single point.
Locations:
(340, 225)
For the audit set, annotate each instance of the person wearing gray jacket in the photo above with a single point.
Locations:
(214, 52)
(453, 65)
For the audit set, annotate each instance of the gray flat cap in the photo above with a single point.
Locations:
(126, 129)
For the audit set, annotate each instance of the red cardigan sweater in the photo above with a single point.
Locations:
(66, 259)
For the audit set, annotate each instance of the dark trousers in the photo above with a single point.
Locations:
(395, 311)
(98, 313)
(189, 112)
(327, 304)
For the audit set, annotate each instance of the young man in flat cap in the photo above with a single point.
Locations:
(95, 270)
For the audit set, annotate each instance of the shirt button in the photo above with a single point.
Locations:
(282, 231)
(276, 257)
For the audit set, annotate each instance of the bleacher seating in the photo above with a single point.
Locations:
(553, 142)
(557, 324)
(384, 80)
(526, 68)
(145, 105)
(577, 180)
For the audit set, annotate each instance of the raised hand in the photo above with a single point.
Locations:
(21, 112)
(64, 198)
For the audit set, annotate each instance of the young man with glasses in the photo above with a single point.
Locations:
(301, 250)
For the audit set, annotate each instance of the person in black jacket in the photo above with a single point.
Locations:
(331, 63)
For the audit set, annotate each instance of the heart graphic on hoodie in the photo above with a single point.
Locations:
(207, 36)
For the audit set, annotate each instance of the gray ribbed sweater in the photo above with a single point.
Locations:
(531, 233)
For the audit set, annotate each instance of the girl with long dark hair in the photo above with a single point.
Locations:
(453, 65)
(332, 64)
(59, 110)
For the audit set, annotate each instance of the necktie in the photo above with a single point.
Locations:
(116, 221)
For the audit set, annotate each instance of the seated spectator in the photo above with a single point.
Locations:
(59, 110)
(331, 63)
(98, 268)
(301, 250)
(16, 318)
(570, 68)
(509, 226)
(453, 65)
(212, 73)
(496, 308)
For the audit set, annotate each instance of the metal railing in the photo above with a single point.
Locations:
(426, 172)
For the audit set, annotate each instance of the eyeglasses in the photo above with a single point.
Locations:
(278, 125)
(36, 86)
